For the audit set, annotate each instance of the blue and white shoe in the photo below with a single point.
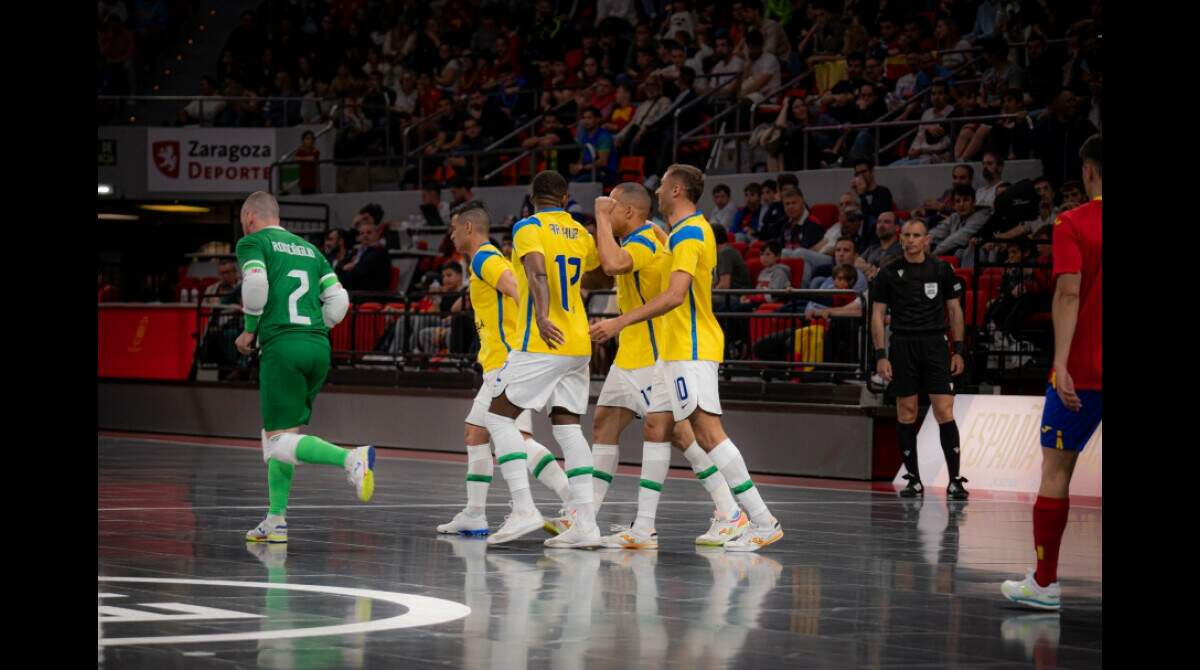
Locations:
(464, 524)
(360, 471)
(268, 532)
(1027, 592)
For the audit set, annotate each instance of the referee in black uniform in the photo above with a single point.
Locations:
(919, 290)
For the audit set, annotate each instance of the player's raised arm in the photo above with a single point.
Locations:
(613, 259)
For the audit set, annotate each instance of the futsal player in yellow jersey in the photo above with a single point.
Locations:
(634, 385)
(696, 344)
(547, 370)
(493, 292)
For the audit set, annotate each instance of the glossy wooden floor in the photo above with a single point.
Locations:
(861, 579)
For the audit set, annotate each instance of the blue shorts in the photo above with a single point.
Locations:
(1067, 430)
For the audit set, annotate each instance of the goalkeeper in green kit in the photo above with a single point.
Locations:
(291, 298)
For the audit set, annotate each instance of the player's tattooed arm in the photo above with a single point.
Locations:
(613, 259)
(539, 290)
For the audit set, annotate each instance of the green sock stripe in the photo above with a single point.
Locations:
(511, 457)
(575, 472)
(712, 470)
(486, 479)
(653, 486)
(743, 487)
(600, 474)
(546, 460)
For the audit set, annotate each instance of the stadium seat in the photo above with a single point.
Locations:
(754, 266)
(797, 266)
(741, 247)
(952, 260)
(369, 326)
(967, 276)
(901, 214)
(825, 213)
(394, 279)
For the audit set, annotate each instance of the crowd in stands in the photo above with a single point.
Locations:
(129, 37)
(608, 76)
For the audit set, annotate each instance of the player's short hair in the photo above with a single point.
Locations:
(263, 205)
(962, 190)
(719, 234)
(688, 176)
(721, 188)
(548, 185)
(473, 212)
(774, 247)
(1090, 153)
(845, 271)
(633, 193)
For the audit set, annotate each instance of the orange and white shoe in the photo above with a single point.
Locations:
(756, 537)
(630, 538)
(724, 530)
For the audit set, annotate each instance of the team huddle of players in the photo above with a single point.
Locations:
(535, 350)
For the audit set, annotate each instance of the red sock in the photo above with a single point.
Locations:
(1049, 521)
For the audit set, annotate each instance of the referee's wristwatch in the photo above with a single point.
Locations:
(880, 354)
(957, 348)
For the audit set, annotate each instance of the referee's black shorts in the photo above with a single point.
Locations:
(920, 364)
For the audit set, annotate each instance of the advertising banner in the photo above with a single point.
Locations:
(209, 159)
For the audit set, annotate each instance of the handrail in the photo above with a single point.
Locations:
(524, 126)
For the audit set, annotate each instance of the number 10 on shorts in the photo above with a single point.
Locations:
(681, 389)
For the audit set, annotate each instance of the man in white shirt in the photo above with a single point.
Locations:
(210, 108)
(617, 9)
(775, 41)
(993, 170)
(763, 73)
(931, 144)
(724, 211)
(726, 69)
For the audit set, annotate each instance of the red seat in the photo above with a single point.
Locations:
(754, 266)
(797, 266)
(967, 277)
(761, 327)
(632, 168)
(952, 260)
(369, 326)
(901, 214)
(394, 279)
(741, 247)
(825, 214)
(756, 246)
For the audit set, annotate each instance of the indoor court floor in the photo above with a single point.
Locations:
(860, 580)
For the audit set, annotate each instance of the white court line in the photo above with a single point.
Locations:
(184, 440)
(506, 505)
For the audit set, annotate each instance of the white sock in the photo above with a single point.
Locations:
(579, 467)
(712, 479)
(546, 469)
(479, 477)
(282, 447)
(729, 461)
(510, 454)
(656, 461)
(604, 457)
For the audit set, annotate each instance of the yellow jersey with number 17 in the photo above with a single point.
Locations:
(569, 251)
(695, 334)
(641, 344)
(495, 313)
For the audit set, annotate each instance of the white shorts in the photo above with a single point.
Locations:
(640, 390)
(540, 381)
(692, 384)
(483, 400)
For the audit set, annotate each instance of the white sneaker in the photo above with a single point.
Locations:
(361, 472)
(723, 530)
(630, 538)
(516, 525)
(464, 524)
(756, 537)
(578, 536)
(1028, 593)
(559, 524)
(268, 532)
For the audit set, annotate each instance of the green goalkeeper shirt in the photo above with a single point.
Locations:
(297, 274)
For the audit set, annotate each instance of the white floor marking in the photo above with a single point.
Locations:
(422, 611)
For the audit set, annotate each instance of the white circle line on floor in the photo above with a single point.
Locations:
(422, 611)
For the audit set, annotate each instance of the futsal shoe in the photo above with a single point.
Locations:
(268, 532)
(578, 536)
(464, 524)
(724, 530)
(1027, 592)
(955, 490)
(756, 537)
(516, 525)
(558, 524)
(915, 487)
(360, 470)
(630, 538)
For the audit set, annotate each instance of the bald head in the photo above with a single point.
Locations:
(259, 211)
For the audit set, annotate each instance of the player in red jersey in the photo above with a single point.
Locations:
(1075, 399)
